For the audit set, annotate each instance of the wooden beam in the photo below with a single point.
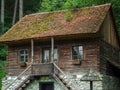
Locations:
(52, 49)
(32, 50)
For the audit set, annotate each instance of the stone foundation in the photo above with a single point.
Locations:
(106, 82)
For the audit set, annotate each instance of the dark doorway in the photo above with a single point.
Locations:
(46, 86)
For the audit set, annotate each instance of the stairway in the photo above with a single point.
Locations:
(65, 82)
(18, 82)
(17, 85)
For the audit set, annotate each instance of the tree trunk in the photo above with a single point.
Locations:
(2, 14)
(20, 9)
(15, 10)
(2, 11)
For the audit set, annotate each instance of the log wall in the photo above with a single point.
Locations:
(109, 59)
(65, 62)
(90, 56)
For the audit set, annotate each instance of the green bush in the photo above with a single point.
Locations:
(2, 71)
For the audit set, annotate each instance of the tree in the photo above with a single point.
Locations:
(20, 9)
(15, 11)
(2, 15)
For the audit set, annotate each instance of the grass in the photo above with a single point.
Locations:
(2, 71)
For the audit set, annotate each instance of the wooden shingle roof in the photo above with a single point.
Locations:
(39, 25)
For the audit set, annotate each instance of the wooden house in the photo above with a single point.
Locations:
(63, 50)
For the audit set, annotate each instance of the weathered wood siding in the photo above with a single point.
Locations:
(108, 31)
(65, 62)
(90, 56)
(109, 59)
(13, 66)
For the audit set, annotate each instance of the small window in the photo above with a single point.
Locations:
(77, 52)
(23, 55)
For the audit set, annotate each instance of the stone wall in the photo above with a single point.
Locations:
(75, 78)
(35, 84)
(105, 83)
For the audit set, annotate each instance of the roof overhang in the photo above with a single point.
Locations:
(56, 38)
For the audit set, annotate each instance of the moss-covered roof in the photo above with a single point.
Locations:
(76, 21)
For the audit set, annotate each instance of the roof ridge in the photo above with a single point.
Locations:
(107, 4)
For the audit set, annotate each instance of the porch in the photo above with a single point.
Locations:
(33, 70)
(42, 69)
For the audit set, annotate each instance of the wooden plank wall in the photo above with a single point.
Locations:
(108, 31)
(108, 55)
(65, 62)
(13, 66)
(90, 60)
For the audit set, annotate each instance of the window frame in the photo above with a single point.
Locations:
(49, 49)
(78, 59)
(24, 55)
(55, 59)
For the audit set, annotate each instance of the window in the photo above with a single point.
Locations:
(77, 52)
(47, 55)
(55, 54)
(23, 55)
(46, 86)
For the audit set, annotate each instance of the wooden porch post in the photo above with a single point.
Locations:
(52, 49)
(32, 50)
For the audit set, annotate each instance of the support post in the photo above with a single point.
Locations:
(91, 85)
(32, 50)
(52, 49)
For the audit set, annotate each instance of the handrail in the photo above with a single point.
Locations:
(58, 68)
(19, 76)
(60, 82)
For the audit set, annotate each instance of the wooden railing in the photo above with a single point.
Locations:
(58, 70)
(60, 76)
(42, 69)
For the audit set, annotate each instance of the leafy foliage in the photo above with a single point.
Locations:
(2, 52)
(2, 71)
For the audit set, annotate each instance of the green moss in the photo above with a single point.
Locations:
(45, 78)
(68, 16)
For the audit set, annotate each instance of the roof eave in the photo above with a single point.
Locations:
(58, 37)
